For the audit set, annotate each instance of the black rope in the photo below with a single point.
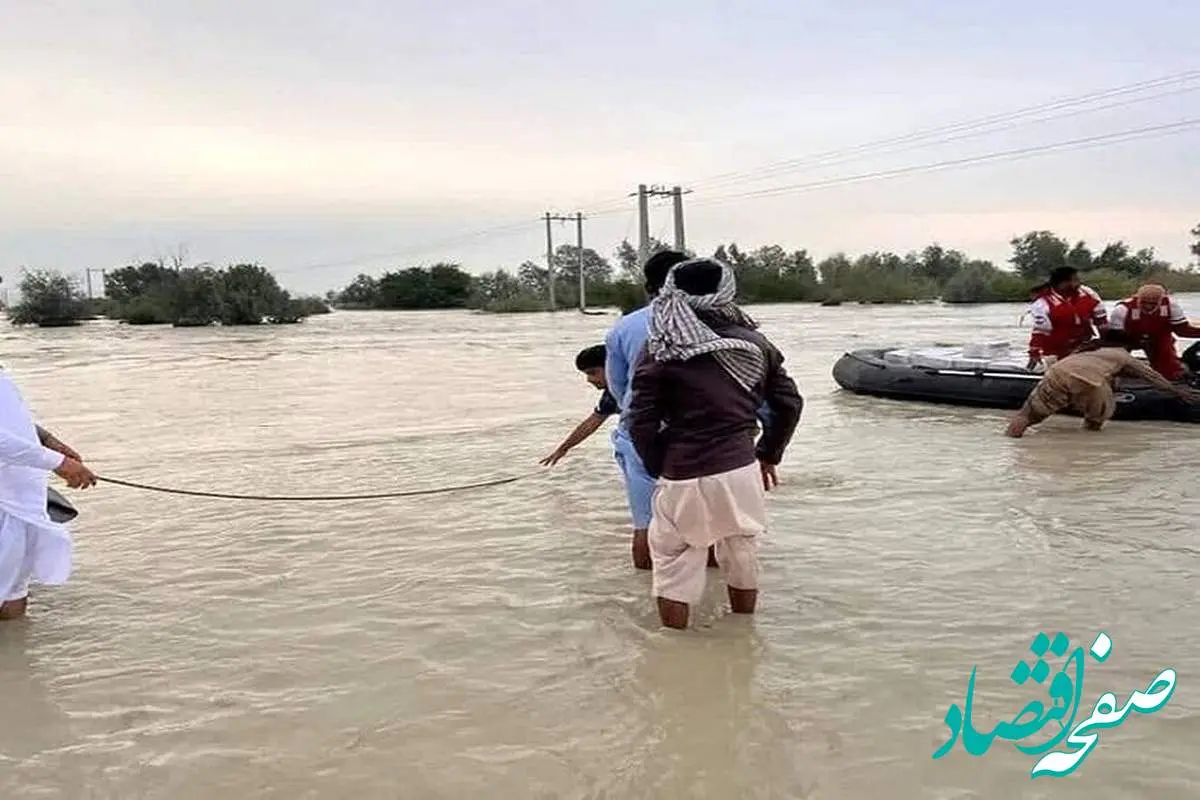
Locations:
(317, 498)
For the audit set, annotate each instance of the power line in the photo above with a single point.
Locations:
(1003, 155)
(510, 228)
(965, 125)
(615, 206)
(849, 156)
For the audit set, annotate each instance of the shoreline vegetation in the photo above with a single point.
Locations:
(771, 274)
(248, 294)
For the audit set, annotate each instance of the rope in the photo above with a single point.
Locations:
(317, 498)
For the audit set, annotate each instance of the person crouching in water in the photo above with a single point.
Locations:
(703, 374)
(1083, 382)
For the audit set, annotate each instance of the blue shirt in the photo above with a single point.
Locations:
(623, 344)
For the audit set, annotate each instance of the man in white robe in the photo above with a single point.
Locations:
(33, 548)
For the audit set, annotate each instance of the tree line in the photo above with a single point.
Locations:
(772, 274)
(248, 294)
(157, 294)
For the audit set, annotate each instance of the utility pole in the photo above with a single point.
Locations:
(578, 220)
(643, 224)
(579, 253)
(644, 193)
(88, 273)
(550, 259)
(677, 195)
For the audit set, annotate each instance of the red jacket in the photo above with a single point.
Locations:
(1063, 322)
(1168, 318)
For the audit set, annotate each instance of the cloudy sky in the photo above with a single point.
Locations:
(324, 138)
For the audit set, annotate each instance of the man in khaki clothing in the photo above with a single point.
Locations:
(1083, 382)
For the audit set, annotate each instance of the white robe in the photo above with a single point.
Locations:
(32, 546)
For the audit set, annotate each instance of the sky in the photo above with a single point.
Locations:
(325, 139)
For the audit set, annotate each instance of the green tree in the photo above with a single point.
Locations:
(1080, 257)
(938, 264)
(363, 292)
(439, 286)
(627, 257)
(143, 294)
(49, 299)
(1038, 253)
(1195, 247)
(251, 296)
(197, 298)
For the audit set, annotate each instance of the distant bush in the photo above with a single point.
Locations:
(49, 299)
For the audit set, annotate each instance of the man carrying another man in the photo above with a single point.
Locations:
(693, 415)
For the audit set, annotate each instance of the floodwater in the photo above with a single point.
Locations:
(498, 643)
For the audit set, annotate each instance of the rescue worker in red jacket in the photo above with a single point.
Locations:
(1151, 320)
(1064, 313)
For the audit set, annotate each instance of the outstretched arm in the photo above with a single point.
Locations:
(1136, 369)
(581, 432)
(1180, 325)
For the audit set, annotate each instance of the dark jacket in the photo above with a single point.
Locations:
(691, 418)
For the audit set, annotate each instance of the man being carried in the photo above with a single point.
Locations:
(590, 362)
(32, 547)
(1083, 382)
(624, 343)
(693, 415)
(1151, 320)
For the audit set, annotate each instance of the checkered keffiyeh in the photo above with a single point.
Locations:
(677, 333)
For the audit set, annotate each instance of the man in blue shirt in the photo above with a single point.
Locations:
(624, 344)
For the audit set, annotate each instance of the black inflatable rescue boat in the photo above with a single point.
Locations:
(983, 379)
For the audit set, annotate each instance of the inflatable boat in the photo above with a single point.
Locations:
(983, 376)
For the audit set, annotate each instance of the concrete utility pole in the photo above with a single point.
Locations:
(643, 224)
(550, 259)
(644, 193)
(88, 272)
(677, 195)
(579, 253)
(578, 220)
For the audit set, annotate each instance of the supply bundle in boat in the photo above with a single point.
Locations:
(985, 375)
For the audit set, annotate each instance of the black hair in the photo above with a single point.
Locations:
(1058, 275)
(698, 278)
(657, 266)
(591, 357)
